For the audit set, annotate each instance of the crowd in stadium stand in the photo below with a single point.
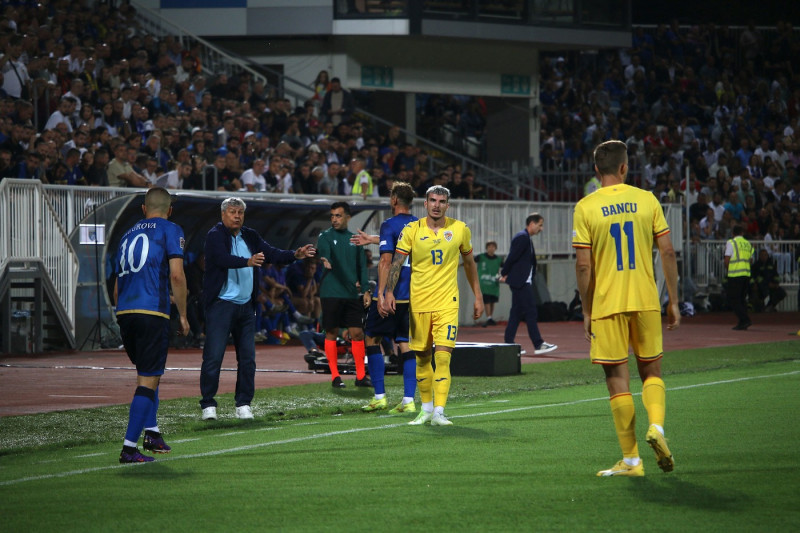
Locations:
(88, 98)
(718, 104)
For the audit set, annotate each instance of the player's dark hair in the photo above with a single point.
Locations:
(608, 157)
(157, 199)
(404, 193)
(343, 205)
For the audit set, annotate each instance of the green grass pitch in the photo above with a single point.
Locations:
(521, 456)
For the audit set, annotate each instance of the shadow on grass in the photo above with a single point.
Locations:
(673, 490)
(151, 471)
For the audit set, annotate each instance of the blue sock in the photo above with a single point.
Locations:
(140, 409)
(409, 374)
(152, 416)
(377, 368)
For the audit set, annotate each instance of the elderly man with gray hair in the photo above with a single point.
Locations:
(234, 253)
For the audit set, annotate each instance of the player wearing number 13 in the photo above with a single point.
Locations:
(613, 234)
(435, 244)
(150, 258)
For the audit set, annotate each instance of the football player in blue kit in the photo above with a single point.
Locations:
(381, 324)
(149, 260)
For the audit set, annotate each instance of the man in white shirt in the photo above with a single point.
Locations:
(174, 178)
(253, 178)
(14, 70)
(284, 178)
(62, 114)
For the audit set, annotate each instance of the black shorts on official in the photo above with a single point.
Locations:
(146, 339)
(342, 313)
(393, 326)
(490, 299)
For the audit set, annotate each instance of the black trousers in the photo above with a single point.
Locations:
(737, 298)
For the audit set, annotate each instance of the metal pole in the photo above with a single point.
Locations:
(687, 250)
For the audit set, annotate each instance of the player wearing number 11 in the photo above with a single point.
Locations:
(435, 244)
(613, 234)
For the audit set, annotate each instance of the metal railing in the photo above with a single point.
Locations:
(31, 230)
(708, 267)
(73, 204)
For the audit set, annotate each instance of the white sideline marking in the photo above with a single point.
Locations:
(359, 430)
(91, 455)
(75, 396)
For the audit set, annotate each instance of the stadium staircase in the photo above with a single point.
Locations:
(38, 272)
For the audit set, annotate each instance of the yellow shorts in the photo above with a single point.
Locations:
(611, 337)
(433, 327)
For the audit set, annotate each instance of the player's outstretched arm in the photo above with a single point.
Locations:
(362, 238)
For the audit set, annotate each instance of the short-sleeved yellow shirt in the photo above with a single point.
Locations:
(620, 223)
(434, 263)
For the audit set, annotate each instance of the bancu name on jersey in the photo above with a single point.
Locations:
(618, 209)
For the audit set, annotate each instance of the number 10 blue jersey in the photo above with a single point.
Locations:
(143, 266)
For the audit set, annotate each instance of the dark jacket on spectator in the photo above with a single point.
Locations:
(219, 259)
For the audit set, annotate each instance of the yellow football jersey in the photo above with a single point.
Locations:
(434, 263)
(619, 223)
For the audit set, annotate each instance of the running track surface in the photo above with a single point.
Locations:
(58, 381)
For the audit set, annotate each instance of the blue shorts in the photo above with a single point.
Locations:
(146, 339)
(394, 326)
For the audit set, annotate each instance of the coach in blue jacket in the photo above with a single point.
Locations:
(234, 253)
(518, 271)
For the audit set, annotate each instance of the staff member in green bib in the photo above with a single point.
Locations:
(489, 276)
(738, 256)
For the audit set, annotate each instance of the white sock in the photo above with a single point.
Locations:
(659, 428)
(380, 396)
(154, 428)
(427, 407)
(407, 400)
(297, 314)
(488, 317)
(438, 410)
(128, 443)
(632, 461)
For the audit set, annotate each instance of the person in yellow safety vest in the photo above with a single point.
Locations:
(591, 185)
(738, 256)
(363, 182)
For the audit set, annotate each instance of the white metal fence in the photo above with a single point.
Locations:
(31, 230)
(488, 220)
(708, 267)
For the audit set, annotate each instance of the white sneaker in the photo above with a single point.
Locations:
(210, 413)
(546, 347)
(244, 412)
(422, 418)
(440, 420)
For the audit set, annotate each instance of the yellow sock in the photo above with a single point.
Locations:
(441, 379)
(624, 414)
(654, 398)
(425, 378)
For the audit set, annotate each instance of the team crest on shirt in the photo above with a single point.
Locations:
(182, 243)
(448, 235)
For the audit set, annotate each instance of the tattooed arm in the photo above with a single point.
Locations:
(391, 282)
